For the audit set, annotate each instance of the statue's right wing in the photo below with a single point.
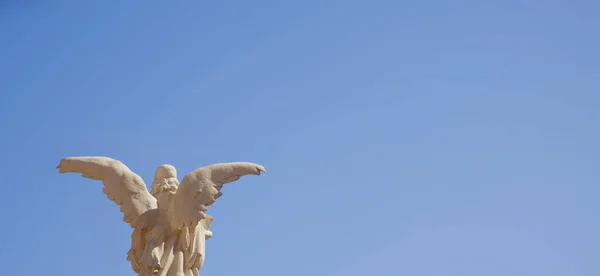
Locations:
(201, 188)
(121, 185)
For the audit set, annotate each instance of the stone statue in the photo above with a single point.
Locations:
(170, 226)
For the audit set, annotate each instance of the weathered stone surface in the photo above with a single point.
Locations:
(169, 221)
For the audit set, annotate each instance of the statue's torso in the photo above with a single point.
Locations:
(162, 250)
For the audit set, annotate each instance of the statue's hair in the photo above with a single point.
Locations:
(165, 184)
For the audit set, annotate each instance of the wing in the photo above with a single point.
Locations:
(201, 188)
(121, 185)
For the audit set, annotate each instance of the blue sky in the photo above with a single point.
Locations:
(430, 138)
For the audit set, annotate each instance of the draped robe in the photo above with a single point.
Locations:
(178, 252)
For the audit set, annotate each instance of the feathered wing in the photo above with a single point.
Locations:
(121, 185)
(201, 188)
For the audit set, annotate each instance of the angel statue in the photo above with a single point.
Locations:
(169, 223)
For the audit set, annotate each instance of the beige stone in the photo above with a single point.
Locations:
(169, 221)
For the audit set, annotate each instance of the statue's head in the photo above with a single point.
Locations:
(165, 171)
(165, 179)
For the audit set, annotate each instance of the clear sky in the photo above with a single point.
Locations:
(429, 138)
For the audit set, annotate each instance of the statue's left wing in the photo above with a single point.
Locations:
(121, 185)
(201, 188)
